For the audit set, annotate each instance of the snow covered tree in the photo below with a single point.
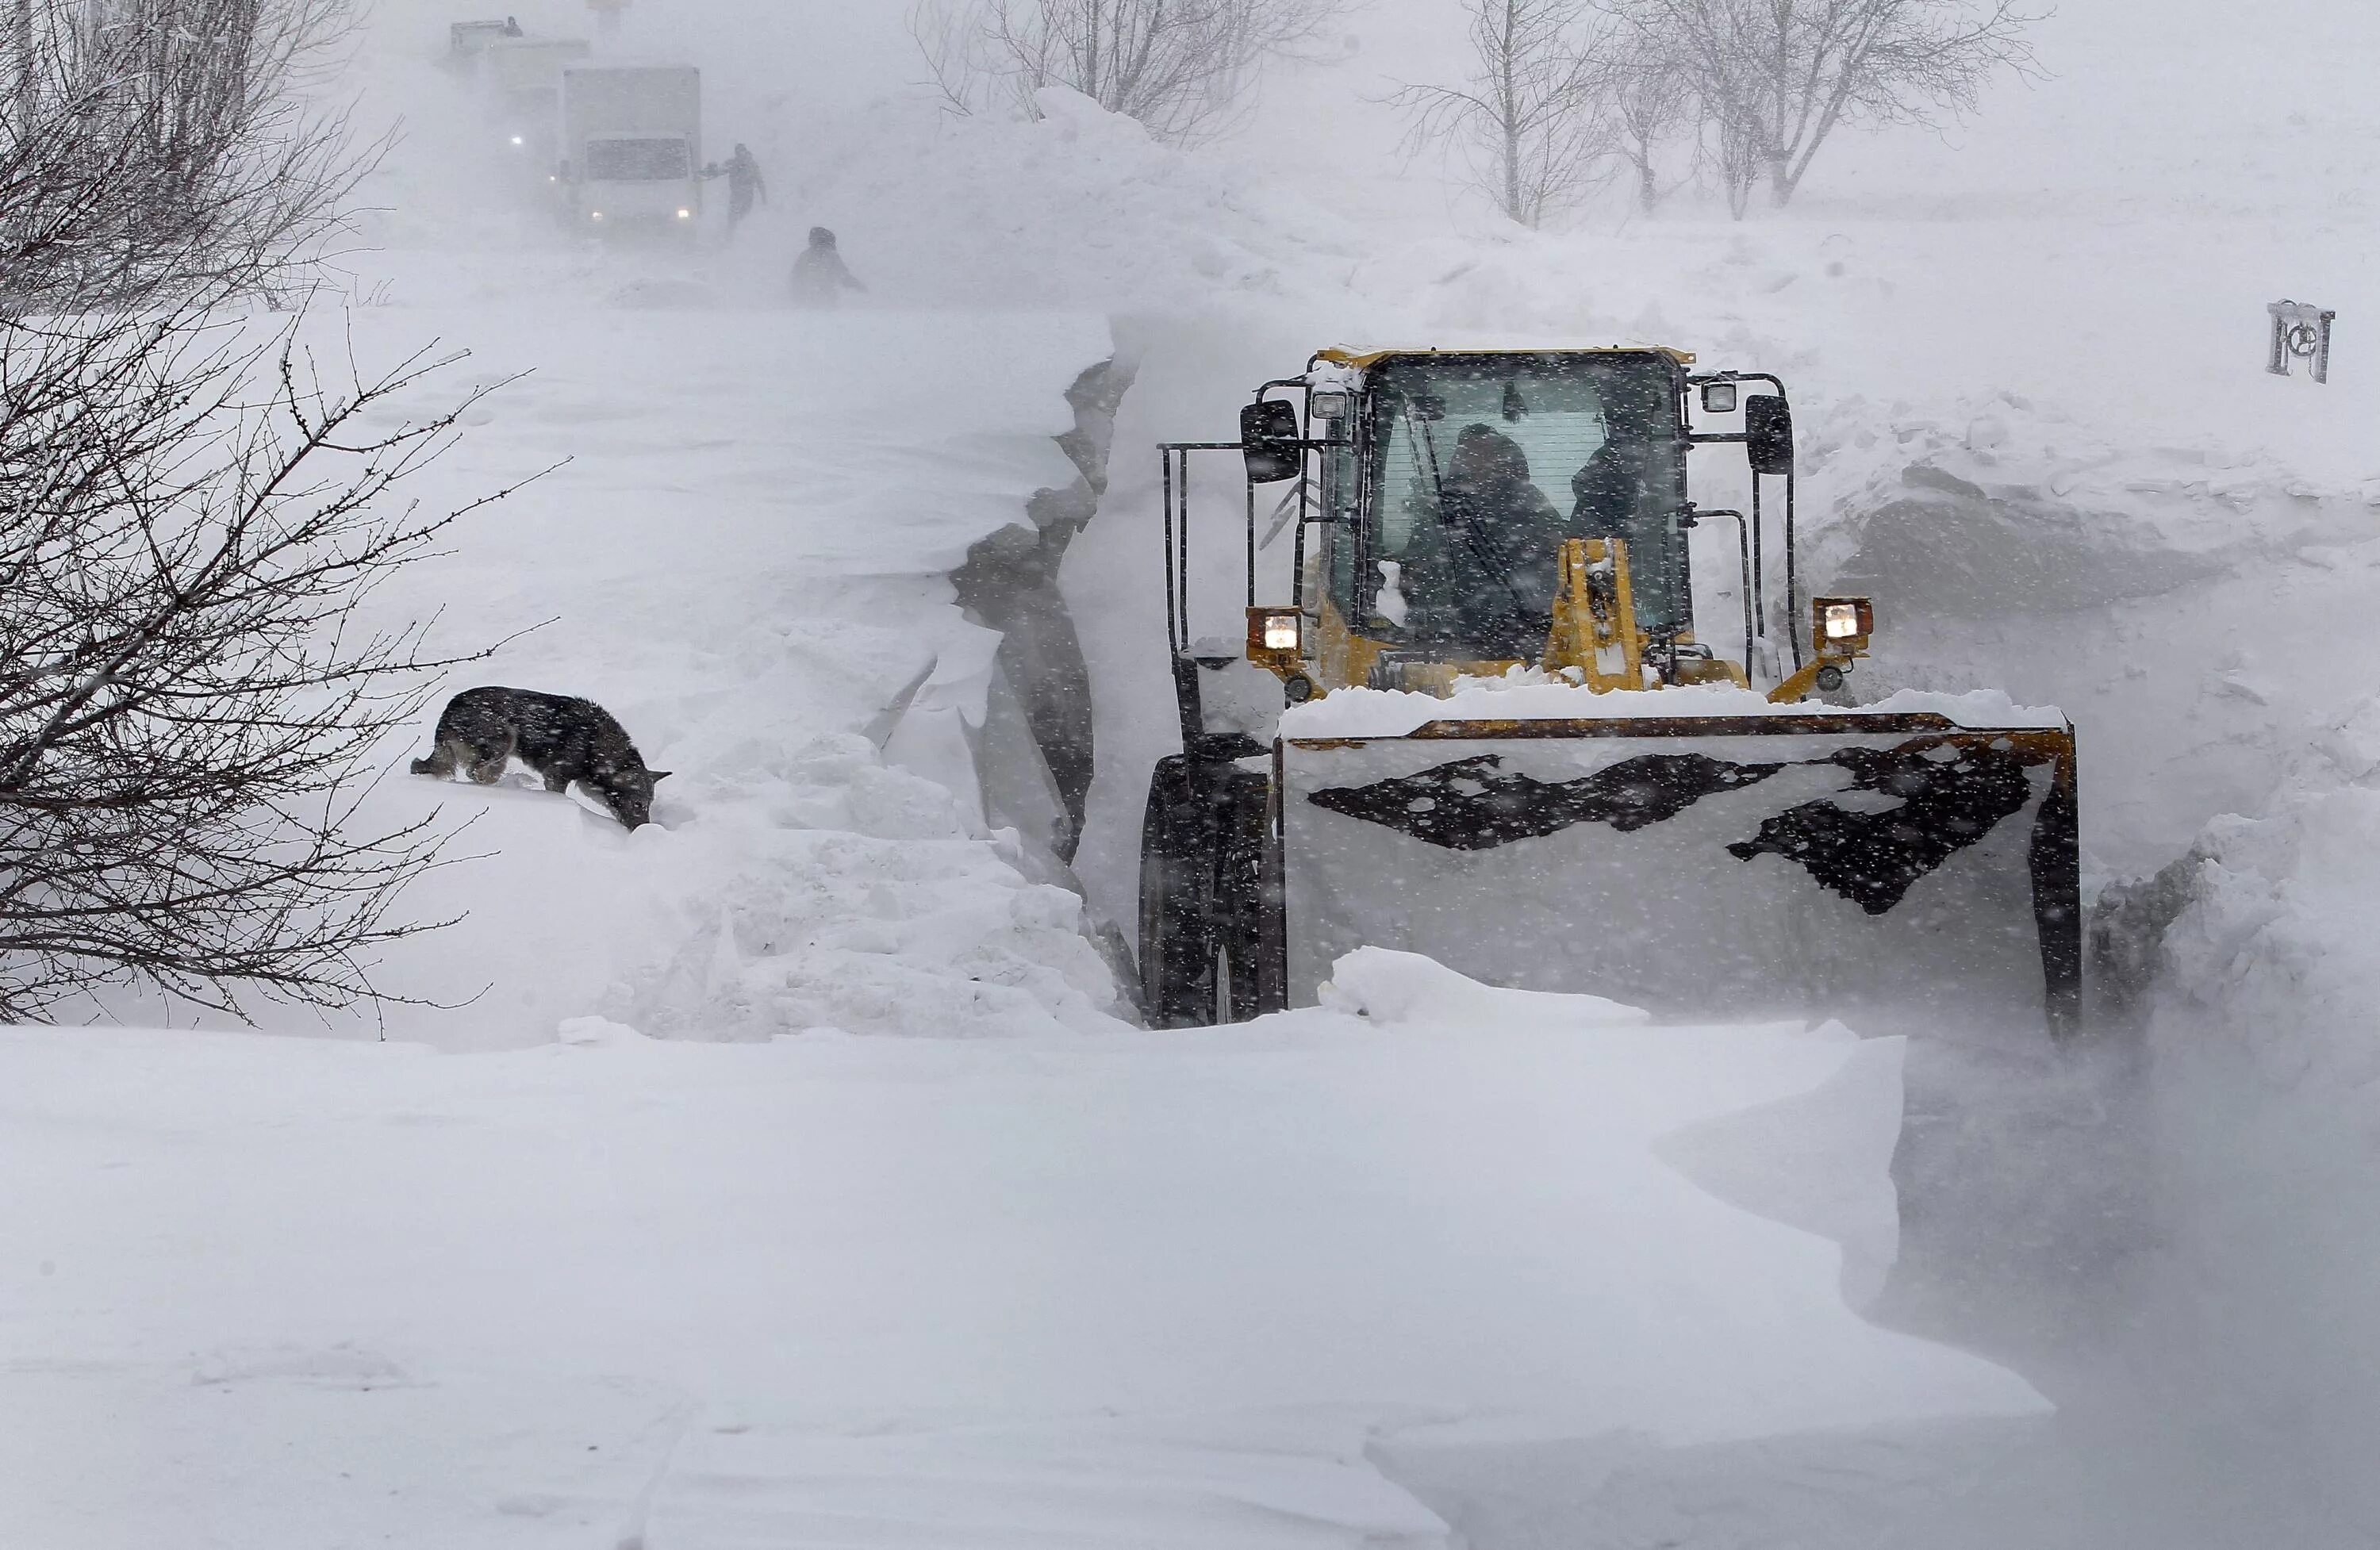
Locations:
(1528, 123)
(1775, 78)
(1180, 68)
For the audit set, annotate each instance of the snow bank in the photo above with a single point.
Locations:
(1396, 987)
(2269, 947)
(2005, 505)
(1525, 695)
(309, 1291)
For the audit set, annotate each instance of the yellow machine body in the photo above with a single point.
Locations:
(1651, 840)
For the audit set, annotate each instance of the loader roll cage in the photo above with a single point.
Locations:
(1347, 491)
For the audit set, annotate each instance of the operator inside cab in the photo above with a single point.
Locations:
(1476, 536)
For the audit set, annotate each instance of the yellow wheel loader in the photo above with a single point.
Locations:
(1468, 710)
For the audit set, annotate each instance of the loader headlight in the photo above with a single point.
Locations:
(1841, 626)
(685, 215)
(1276, 634)
(1327, 405)
(517, 140)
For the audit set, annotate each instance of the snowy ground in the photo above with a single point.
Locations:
(837, 1290)
(740, 553)
(581, 1291)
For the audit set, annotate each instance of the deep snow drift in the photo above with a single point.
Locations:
(829, 1290)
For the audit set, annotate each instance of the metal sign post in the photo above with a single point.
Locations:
(2301, 332)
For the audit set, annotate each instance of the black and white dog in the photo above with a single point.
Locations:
(560, 736)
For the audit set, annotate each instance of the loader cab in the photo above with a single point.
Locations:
(1460, 476)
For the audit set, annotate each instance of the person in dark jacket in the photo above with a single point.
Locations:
(1610, 488)
(745, 187)
(820, 277)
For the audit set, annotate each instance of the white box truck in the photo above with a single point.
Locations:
(632, 148)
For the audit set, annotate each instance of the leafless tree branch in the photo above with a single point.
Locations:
(1528, 124)
(1777, 78)
(156, 148)
(1182, 69)
(194, 520)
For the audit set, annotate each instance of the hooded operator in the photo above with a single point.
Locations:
(1611, 484)
(1486, 569)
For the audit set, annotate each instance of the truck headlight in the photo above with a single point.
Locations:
(1276, 634)
(594, 215)
(685, 215)
(1843, 621)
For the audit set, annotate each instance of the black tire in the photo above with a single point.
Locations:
(1202, 924)
(1177, 957)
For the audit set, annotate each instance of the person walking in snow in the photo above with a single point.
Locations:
(743, 184)
(820, 277)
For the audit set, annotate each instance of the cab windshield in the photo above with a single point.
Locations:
(1482, 466)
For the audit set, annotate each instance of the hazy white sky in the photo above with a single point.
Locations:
(2134, 85)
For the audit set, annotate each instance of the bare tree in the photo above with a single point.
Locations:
(164, 147)
(1732, 149)
(1181, 68)
(1775, 78)
(189, 695)
(1527, 122)
(192, 521)
(1645, 92)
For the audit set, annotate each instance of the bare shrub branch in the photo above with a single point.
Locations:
(188, 693)
(194, 517)
(164, 147)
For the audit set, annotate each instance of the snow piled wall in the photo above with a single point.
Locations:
(2265, 947)
(2202, 612)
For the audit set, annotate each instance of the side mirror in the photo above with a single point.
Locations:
(1271, 442)
(1768, 434)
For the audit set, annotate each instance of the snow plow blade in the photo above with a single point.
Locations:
(1861, 865)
